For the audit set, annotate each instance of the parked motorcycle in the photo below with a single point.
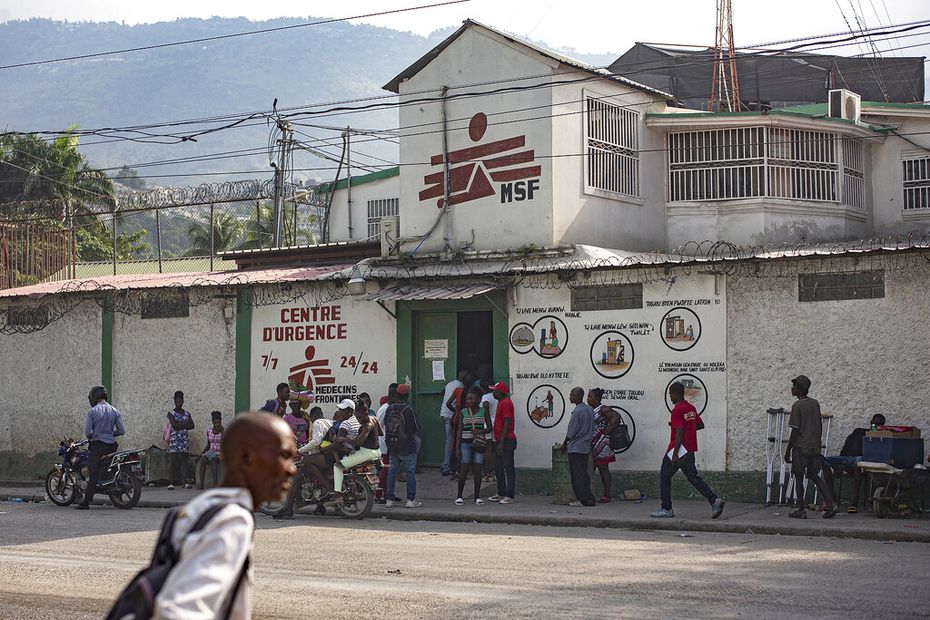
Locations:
(120, 476)
(358, 493)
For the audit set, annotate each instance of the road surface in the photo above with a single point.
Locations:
(57, 562)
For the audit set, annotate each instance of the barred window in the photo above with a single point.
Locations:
(172, 305)
(750, 162)
(619, 297)
(378, 209)
(27, 317)
(612, 147)
(917, 183)
(839, 286)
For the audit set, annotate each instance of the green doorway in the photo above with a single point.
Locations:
(435, 340)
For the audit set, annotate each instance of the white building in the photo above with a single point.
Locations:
(547, 256)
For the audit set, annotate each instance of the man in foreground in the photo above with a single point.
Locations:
(681, 449)
(212, 573)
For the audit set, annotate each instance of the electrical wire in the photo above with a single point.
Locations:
(231, 35)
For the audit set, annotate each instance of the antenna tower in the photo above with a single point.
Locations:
(724, 88)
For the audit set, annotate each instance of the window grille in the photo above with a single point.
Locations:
(853, 174)
(751, 162)
(917, 183)
(612, 147)
(172, 305)
(27, 317)
(378, 209)
(839, 286)
(619, 297)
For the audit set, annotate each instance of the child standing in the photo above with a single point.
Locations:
(211, 451)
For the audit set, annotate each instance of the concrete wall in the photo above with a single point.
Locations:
(888, 177)
(361, 194)
(45, 380)
(588, 215)
(492, 222)
(863, 356)
(154, 357)
(763, 222)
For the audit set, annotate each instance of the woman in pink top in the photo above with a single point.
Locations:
(211, 452)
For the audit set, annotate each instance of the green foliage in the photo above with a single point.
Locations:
(95, 243)
(227, 232)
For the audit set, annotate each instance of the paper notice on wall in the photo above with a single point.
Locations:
(436, 349)
(439, 370)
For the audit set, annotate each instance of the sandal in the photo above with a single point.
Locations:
(459, 501)
(604, 500)
(852, 510)
(479, 502)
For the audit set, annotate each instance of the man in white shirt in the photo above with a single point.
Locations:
(489, 405)
(447, 414)
(258, 458)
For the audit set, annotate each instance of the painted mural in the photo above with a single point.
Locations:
(634, 355)
(336, 351)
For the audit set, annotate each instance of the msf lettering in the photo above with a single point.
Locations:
(519, 190)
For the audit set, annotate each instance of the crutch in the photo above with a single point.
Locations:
(771, 454)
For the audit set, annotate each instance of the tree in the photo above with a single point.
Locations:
(53, 176)
(227, 231)
(95, 243)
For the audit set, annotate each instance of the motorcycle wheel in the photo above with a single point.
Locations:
(58, 490)
(127, 491)
(359, 499)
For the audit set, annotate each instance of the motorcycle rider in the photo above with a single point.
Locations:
(102, 425)
(365, 443)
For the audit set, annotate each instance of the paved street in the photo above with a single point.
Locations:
(56, 562)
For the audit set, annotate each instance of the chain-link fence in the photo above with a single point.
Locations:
(167, 230)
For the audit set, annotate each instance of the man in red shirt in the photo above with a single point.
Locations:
(505, 442)
(680, 455)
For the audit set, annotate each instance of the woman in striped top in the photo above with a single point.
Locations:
(470, 441)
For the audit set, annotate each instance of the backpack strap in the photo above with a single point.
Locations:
(165, 552)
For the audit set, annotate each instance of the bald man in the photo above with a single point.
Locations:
(213, 572)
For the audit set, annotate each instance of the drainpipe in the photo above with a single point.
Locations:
(448, 235)
(349, 177)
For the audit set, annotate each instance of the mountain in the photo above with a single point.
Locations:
(327, 63)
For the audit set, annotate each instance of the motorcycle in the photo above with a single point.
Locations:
(358, 493)
(120, 476)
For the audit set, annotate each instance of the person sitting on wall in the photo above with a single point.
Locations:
(211, 452)
(847, 462)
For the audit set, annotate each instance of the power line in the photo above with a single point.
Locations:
(230, 36)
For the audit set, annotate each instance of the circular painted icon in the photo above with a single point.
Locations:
(522, 338)
(695, 392)
(681, 329)
(627, 419)
(545, 406)
(548, 337)
(612, 355)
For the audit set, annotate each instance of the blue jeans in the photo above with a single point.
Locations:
(409, 463)
(447, 459)
(505, 472)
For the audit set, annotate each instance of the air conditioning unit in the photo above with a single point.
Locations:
(390, 232)
(844, 104)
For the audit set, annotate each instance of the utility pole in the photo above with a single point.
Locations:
(349, 176)
(284, 147)
(724, 88)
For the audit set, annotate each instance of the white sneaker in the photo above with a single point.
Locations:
(170, 487)
(412, 503)
(389, 503)
(575, 504)
(495, 498)
(507, 500)
(188, 486)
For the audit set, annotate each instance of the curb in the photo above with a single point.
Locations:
(668, 525)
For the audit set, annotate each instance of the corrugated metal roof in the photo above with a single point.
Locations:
(170, 280)
(407, 292)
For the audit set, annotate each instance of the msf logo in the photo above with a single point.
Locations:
(312, 371)
(472, 169)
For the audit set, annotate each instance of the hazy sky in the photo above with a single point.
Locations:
(589, 26)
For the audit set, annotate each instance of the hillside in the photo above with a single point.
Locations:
(319, 64)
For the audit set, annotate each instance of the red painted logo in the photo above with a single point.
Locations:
(312, 371)
(472, 169)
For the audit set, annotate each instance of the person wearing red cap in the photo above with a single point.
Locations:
(505, 441)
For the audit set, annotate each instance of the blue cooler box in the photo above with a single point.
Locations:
(902, 453)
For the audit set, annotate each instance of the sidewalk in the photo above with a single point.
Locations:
(437, 495)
